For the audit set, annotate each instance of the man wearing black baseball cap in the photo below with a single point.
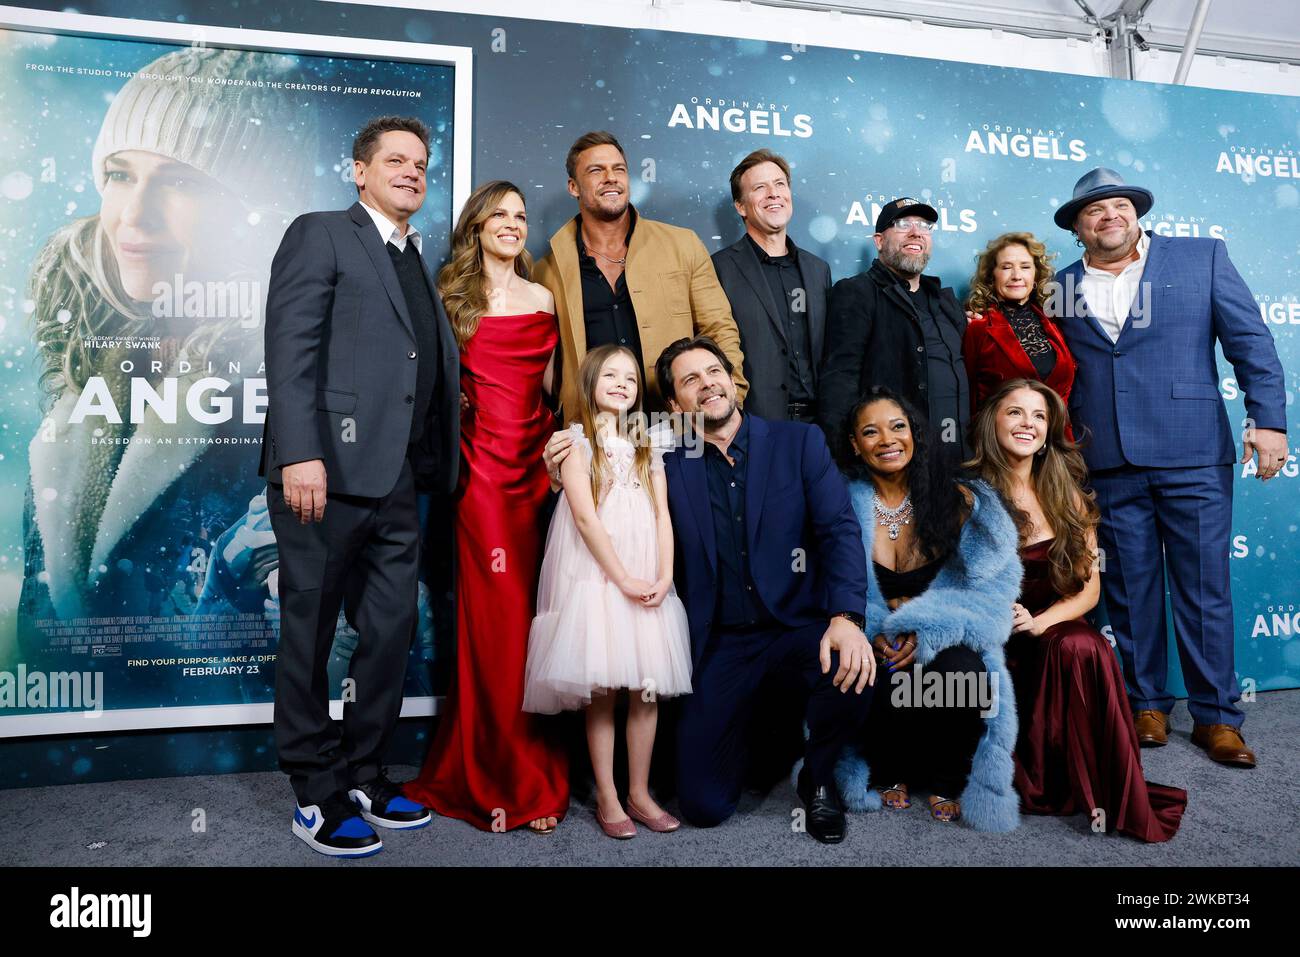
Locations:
(894, 326)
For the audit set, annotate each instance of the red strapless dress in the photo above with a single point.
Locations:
(491, 763)
(1078, 750)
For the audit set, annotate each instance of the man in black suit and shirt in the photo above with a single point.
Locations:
(895, 327)
(777, 293)
(362, 382)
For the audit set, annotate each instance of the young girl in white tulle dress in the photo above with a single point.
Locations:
(608, 616)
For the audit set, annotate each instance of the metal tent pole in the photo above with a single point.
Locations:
(1193, 37)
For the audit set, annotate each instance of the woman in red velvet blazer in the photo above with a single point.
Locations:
(1009, 335)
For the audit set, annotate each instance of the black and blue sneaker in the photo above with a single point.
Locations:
(335, 828)
(382, 803)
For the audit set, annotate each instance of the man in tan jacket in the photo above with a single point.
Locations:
(620, 278)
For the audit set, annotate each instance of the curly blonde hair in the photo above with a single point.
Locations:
(982, 290)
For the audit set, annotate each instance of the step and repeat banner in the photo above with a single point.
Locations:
(135, 553)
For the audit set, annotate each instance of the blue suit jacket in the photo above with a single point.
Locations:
(805, 545)
(1152, 397)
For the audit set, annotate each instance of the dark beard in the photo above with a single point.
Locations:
(1126, 243)
(718, 420)
(604, 215)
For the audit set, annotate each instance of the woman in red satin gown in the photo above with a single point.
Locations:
(1077, 751)
(491, 763)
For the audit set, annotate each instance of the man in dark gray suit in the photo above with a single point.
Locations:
(362, 383)
(777, 293)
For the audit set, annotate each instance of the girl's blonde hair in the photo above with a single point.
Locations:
(632, 427)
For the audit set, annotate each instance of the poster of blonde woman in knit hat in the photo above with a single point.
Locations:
(148, 187)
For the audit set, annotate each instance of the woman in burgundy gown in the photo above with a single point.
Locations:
(1077, 752)
(491, 763)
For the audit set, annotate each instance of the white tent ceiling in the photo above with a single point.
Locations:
(1247, 45)
(1251, 29)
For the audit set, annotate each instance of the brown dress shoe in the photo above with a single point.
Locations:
(1152, 728)
(1223, 743)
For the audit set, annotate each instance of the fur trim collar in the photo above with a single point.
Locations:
(148, 466)
(968, 603)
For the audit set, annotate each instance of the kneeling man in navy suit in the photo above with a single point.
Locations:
(770, 567)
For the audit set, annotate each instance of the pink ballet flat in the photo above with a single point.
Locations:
(663, 824)
(620, 831)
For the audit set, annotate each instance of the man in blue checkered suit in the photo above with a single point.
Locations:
(1142, 314)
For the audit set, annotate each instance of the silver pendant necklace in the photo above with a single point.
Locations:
(894, 518)
(591, 249)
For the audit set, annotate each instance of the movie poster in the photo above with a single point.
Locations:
(146, 187)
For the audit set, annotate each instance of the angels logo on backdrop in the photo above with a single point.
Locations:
(1276, 310)
(1279, 310)
(1180, 224)
(205, 402)
(1025, 142)
(728, 115)
(1290, 470)
(864, 212)
(1250, 162)
(1279, 620)
(1230, 389)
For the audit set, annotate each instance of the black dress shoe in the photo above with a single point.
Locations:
(825, 820)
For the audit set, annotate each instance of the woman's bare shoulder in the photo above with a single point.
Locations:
(540, 296)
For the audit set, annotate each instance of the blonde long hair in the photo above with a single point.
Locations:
(631, 427)
(79, 295)
(1060, 482)
(460, 282)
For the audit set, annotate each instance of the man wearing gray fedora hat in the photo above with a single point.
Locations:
(1142, 313)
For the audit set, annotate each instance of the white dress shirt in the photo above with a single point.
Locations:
(391, 234)
(1110, 297)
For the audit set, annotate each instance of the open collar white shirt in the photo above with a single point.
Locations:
(389, 233)
(1109, 297)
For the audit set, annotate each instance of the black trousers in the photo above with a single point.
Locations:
(927, 746)
(366, 549)
(711, 739)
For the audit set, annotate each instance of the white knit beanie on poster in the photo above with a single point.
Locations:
(195, 105)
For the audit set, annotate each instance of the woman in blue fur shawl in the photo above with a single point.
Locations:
(944, 571)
